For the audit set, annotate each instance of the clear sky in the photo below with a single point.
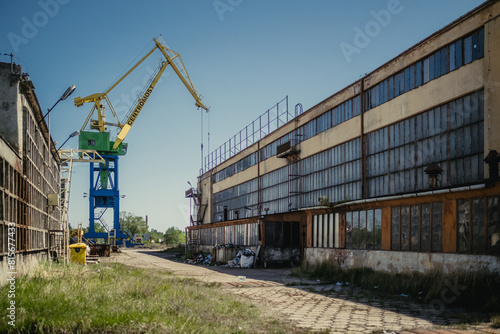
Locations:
(242, 55)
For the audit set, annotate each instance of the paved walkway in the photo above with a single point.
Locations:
(314, 306)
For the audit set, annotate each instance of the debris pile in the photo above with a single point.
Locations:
(219, 246)
(200, 259)
(244, 259)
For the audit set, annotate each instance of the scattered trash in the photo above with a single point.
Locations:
(242, 278)
(318, 280)
(375, 287)
(243, 259)
(219, 246)
(338, 284)
(201, 259)
(403, 295)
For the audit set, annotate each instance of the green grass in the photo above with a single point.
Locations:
(114, 298)
(175, 250)
(477, 290)
(495, 321)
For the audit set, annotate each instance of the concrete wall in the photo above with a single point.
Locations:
(401, 262)
(491, 73)
(24, 264)
(11, 124)
(205, 193)
(280, 256)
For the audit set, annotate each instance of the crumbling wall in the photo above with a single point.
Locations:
(11, 124)
(401, 262)
(280, 256)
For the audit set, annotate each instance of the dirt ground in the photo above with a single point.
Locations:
(313, 305)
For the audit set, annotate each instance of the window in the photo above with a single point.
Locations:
(432, 68)
(478, 225)
(282, 234)
(450, 135)
(452, 57)
(417, 228)
(364, 229)
(493, 224)
(324, 234)
(467, 50)
(458, 54)
(448, 58)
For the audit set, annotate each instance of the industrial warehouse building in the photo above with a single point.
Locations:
(398, 171)
(29, 178)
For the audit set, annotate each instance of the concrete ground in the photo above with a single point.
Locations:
(315, 306)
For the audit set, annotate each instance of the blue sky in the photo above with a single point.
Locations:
(243, 56)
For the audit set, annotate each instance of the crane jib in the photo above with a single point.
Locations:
(139, 106)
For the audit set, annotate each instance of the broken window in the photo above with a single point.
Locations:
(363, 229)
(437, 227)
(417, 228)
(348, 232)
(282, 234)
(395, 237)
(478, 228)
(463, 218)
(478, 225)
(356, 237)
(405, 228)
(493, 225)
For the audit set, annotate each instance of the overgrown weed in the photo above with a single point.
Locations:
(477, 290)
(115, 298)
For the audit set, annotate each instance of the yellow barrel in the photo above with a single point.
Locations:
(78, 253)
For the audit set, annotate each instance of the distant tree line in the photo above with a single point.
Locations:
(131, 225)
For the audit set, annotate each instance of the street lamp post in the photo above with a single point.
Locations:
(63, 97)
(190, 204)
(76, 133)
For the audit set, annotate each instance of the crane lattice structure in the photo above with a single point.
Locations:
(68, 157)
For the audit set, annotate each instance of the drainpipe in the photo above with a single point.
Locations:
(404, 196)
(363, 138)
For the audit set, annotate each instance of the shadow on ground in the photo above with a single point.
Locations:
(285, 291)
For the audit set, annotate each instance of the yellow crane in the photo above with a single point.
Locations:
(173, 59)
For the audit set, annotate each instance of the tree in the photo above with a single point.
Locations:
(156, 236)
(174, 236)
(97, 228)
(132, 224)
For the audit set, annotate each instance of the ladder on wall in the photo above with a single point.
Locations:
(68, 157)
(291, 151)
(294, 185)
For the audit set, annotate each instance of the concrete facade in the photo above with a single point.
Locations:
(402, 262)
(29, 173)
(354, 185)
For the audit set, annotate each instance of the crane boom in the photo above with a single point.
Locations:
(185, 80)
(133, 116)
(125, 126)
